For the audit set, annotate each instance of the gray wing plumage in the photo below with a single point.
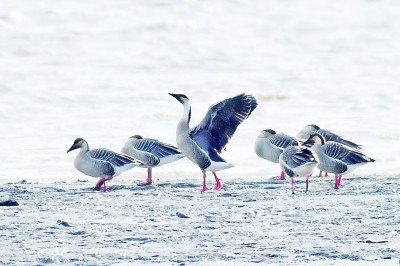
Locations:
(156, 147)
(281, 141)
(343, 154)
(287, 170)
(221, 121)
(296, 156)
(154, 150)
(115, 159)
(330, 136)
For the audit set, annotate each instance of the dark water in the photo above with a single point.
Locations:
(249, 221)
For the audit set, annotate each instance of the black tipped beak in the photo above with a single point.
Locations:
(179, 97)
(174, 95)
(73, 147)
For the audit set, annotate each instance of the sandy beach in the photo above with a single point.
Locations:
(250, 221)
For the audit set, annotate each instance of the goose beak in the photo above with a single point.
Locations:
(176, 96)
(179, 97)
(73, 147)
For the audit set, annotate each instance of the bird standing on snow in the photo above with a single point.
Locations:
(151, 152)
(298, 161)
(203, 143)
(335, 157)
(269, 145)
(101, 162)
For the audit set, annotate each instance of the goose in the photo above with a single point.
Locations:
(151, 152)
(269, 145)
(335, 157)
(328, 135)
(101, 162)
(298, 161)
(203, 143)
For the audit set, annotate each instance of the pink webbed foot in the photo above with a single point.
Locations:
(99, 184)
(218, 185)
(282, 176)
(203, 189)
(217, 181)
(326, 174)
(149, 181)
(145, 183)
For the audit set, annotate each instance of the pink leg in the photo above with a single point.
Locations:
(292, 185)
(149, 180)
(307, 183)
(282, 176)
(218, 182)
(100, 183)
(336, 181)
(339, 181)
(320, 174)
(204, 182)
(326, 174)
(105, 189)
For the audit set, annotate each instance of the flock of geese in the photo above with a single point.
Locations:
(202, 144)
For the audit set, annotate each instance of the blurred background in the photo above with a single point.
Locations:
(101, 70)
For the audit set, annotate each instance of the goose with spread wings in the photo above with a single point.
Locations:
(203, 143)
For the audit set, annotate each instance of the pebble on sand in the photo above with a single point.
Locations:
(9, 203)
(181, 215)
(63, 223)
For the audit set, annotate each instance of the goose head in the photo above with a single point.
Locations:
(130, 143)
(79, 143)
(314, 139)
(267, 133)
(307, 130)
(182, 98)
(136, 137)
(132, 140)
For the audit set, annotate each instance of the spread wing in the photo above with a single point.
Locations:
(221, 121)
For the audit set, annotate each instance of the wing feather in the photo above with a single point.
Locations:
(116, 159)
(221, 121)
